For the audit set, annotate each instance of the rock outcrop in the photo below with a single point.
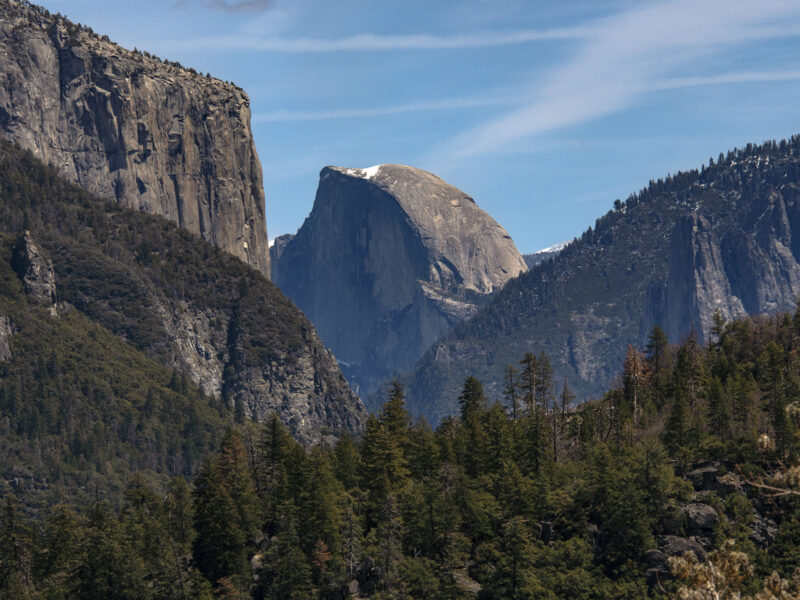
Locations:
(725, 238)
(388, 260)
(35, 271)
(127, 127)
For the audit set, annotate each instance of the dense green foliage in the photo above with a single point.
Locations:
(540, 500)
(82, 410)
(101, 391)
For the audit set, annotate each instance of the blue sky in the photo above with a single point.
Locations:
(544, 112)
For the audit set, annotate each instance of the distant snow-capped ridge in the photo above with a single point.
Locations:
(552, 249)
(542, 255)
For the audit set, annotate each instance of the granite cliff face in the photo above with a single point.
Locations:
(725, 238)
(152, 136)
(278, 245)
(388, 260)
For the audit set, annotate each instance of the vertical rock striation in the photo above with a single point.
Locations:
(388, 260)
(149, 134)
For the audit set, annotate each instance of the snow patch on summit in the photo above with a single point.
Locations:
(368, 173)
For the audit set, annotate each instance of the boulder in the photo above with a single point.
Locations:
(705, 477)
(673, 545)
(702, 518)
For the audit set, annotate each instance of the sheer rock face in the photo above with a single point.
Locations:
(388, 260)
(152, 136)
(304, 386)
(35, 270)
(278, 245)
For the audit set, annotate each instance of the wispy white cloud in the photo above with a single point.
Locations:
(628, 56)
(382, 111)
(728, 78)
(378, 42)
(240, 6)
(514, 99)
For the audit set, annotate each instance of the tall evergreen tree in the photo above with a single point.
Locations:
(473, 411)
(219, 548)
(527, 382)
(511, 390)
(658, 359)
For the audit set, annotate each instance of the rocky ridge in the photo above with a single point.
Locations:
(128, 127)
(723, 238)
(388, 260)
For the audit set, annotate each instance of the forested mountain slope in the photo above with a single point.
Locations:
(726, 238)
(688, 466)
(81, 410)
(179, 300)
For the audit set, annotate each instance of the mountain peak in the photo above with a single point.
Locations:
(391, 257)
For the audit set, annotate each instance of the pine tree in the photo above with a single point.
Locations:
(14, 548)
(528, 377)
(472, 399)
(395, 417)
(236, 477)
(286, 574)
(544, 382)
(510, 390)
(351, 538)
(633, 379)
(559, 417)
(108, 567)
(347, 461)
(514, 577)
(658, 359)
(473, 441)
(773, 381)
(676, 433)
(389, 540)
(219, 548)
(718, 409)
